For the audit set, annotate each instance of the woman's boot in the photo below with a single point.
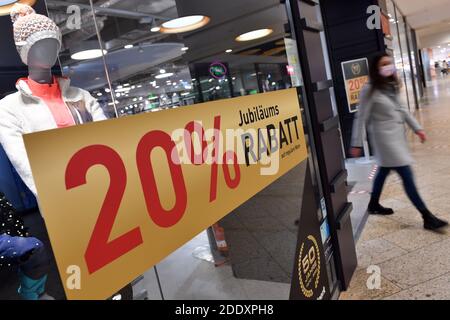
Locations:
(431, 222)
(376, 208)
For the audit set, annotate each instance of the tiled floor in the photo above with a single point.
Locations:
(184, 277)
(414, 263)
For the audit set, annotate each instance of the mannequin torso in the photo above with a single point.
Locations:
(43, 102)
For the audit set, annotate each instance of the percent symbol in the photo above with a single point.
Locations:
(232, 183)
(200, 158)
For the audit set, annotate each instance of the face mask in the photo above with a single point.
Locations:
(387, 71)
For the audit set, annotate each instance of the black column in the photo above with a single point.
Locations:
(348, 39)
(307, 27)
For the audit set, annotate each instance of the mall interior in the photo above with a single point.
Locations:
(147, 57)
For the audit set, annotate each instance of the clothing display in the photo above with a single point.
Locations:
(11, 223)
(23, 112)
(52, 97)
(42, 102)
(39, 106)
(30, 27)
(17, 248)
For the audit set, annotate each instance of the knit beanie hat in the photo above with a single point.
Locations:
(30, 27)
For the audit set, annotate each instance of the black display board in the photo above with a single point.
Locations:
(309, 277)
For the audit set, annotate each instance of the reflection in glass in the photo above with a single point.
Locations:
(198, 68)
(397, 52)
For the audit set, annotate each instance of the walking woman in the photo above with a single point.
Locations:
(384, 117)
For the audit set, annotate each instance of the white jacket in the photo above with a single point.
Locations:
(22, 113)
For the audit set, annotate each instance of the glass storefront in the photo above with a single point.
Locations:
(150, 71)
(133, 57)
(406, 60)
(414, 59)
(404, 54)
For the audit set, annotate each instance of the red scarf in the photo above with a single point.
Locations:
(52, 96)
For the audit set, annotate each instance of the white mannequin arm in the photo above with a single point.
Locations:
(11, 139)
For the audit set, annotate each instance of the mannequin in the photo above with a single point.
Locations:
(42, 102)
(41, 58)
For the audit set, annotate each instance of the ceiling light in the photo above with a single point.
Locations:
(185, 24)
(185, 49)
(164, 75)
(107, 90)
(218, 88)
(157, 87)
(99, 94)
(126, 90)
(162, 71)
(229, 50)
(135, 99)
(88, 54)
(253, 35)
(128, 46)
(155, 29)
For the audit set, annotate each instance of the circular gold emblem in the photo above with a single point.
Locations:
(309, 266)
(356, 69)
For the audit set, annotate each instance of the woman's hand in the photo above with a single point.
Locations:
(422, 135)
(356, 152)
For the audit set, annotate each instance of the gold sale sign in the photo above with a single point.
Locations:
(119, 196)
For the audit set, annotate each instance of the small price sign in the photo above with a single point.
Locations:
(119, 196)
(356, 76)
